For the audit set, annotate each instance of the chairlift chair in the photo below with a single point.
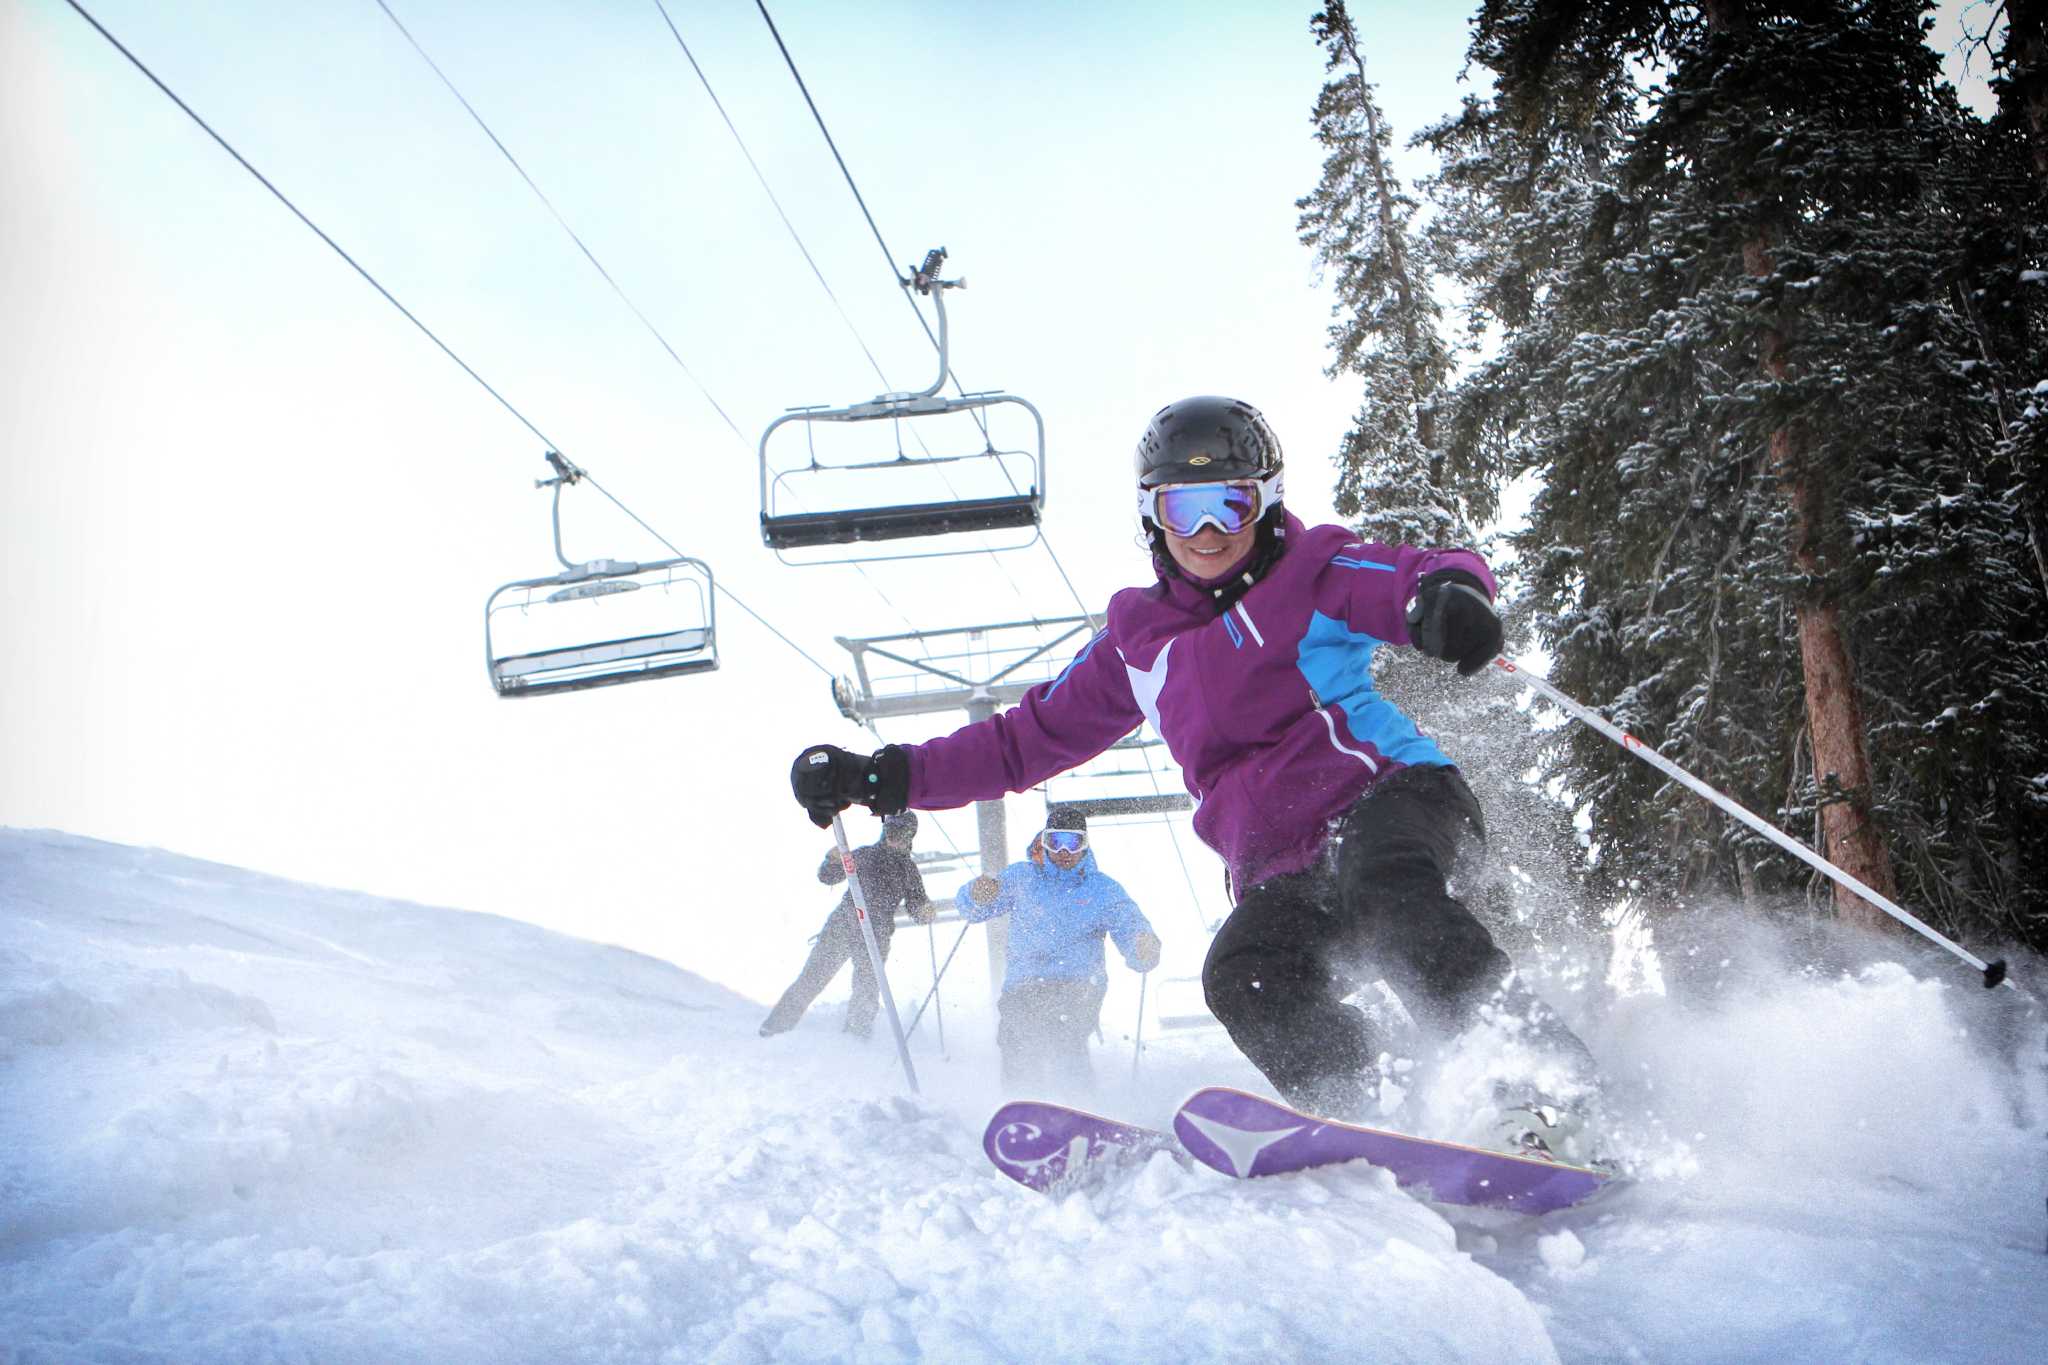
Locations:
(1121, 782)
(1008, 485)
(600, 622)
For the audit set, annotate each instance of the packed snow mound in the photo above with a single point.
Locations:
(251, 1120)
(243, 1119)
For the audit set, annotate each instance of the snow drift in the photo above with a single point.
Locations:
(243, 1119)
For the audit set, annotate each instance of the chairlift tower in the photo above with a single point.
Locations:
(977, 669)
(983, 670)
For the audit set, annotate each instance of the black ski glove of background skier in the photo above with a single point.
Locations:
(1451, 617)
(827, 779)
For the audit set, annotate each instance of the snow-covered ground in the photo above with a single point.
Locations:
(243, 1119)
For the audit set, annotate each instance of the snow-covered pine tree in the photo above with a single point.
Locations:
(1392, 481)
(1591, 389)
(1396, 485)
(1953, 584)
(1523, 176)
(1723, 288)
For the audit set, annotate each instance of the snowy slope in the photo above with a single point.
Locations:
(243, 1119)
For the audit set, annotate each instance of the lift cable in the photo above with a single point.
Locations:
(598, 265)
(887, 254)
(719, 104)
(808, 657)
(704, 79)
(542, 195)
(265, 182)
(426, 331)
(802, 249)
(890, 256)
(617, 288)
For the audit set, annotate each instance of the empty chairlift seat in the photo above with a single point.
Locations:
(601, 622)
(972, 463)
(1133, 777)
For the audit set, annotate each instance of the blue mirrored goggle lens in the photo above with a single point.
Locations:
(1182, 508)
(1065, 840)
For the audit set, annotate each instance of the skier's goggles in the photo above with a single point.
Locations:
(1185, 508)
(1064, 840)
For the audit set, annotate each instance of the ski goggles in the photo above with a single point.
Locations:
(1064, 840)
(1182, 509)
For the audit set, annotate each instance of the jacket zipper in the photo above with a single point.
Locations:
(1330, 724)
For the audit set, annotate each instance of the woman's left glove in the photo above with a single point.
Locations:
(827, 779)
(1451, 617)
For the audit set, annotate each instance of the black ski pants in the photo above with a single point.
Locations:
(1376, 907)
(837, 944)
(1042, 1028)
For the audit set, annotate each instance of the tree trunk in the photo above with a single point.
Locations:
(2023, 94)
(1834, 716)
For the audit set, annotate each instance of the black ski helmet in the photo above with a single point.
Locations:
(1206, 440)
(902, 822)
(1066, 817)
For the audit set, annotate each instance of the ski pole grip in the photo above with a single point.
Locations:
(1994, 973)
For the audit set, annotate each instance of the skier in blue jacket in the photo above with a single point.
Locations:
(1061, 906)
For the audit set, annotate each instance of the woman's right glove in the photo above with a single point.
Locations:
(1144, 952)
(984, 890)
(827, 779)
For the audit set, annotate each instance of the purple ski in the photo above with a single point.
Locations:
(1244, 1135)
(1042, 1145)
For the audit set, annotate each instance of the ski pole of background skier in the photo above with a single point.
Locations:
(931, 940)
(867, 933)
(932, 995)
(1138, 1038)
(1994, 971)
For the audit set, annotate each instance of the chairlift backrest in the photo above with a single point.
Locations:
(1133, 777)
(601, 622)
(854, 497)
(573, 630)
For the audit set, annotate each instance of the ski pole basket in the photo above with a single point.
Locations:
(601, 622)
(944, 472)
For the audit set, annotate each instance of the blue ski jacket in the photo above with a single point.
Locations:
(1058, 919)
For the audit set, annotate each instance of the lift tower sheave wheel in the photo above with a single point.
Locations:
(848, 494)
(600, 622)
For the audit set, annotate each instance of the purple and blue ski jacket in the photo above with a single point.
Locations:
(1268, 707)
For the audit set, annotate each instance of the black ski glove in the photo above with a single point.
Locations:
(1451, 617)
(827, 779)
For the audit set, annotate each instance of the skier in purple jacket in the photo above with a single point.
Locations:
(1337, 819)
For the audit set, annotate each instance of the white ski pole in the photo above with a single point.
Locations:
(1138, 1039)
(933, 993)
(867, 933)
(1994, 971)
(931, 941)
